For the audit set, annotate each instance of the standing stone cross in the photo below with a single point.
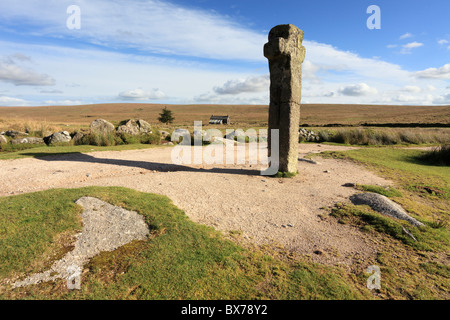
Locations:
(285, 54)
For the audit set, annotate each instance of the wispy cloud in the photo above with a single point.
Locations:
(407, 48)
(142, 95)
(66, 102)
(356, 90)
(150, 26)
(251, 84)
(414, 89)
(11, 101)
(406, 36)
(52, 91)
(13, 72)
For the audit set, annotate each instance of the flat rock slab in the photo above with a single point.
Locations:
(383, 205)
(105, 228)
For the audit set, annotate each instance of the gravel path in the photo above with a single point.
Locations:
(226, 197)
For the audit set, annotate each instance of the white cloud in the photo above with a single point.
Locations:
(405, 98)
(141, 95)
(443, 99)
(435, 73)
(66, 102)
(360, 89)
(407, 48)
(415, 89)
(406, 35)
(11, 102)
(412, 45)
(332, 64)
(310, 70)
(51, 91)
(19, 75)
(442, 41)
(252, 84)
(214, 98)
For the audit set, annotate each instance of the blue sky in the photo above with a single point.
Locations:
(209, 51)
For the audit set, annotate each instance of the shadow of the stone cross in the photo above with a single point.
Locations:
(148, 165)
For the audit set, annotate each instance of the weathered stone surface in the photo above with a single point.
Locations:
(285, 54)
(135, 127)
(308, 135)
(144, 126)
(3, 139)
(14, 133)
(58, 137)
(164, 134)
(101, 126)
(130, 127)
(383, 205)
(31, 140)
(78, 136)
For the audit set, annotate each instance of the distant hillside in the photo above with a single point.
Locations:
(256, 115)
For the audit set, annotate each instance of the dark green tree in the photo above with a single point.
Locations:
(166, 116)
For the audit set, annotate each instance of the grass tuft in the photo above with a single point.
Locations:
(385, 191)
(438, 156)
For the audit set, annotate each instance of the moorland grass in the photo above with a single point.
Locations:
(438, 156)
(411, 268)
(180, 260)
(385, 136)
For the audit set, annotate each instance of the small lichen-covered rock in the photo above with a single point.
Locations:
(164, 134)
(30, 140)
(78, 136)
(14, 133)
(144, 126)
(58, 137)
(3, 139)
(130, 127)
(135, 127)
(101, 126)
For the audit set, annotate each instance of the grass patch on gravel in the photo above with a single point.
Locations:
(180, 260)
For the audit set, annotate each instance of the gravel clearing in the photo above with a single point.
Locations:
(266, 210)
